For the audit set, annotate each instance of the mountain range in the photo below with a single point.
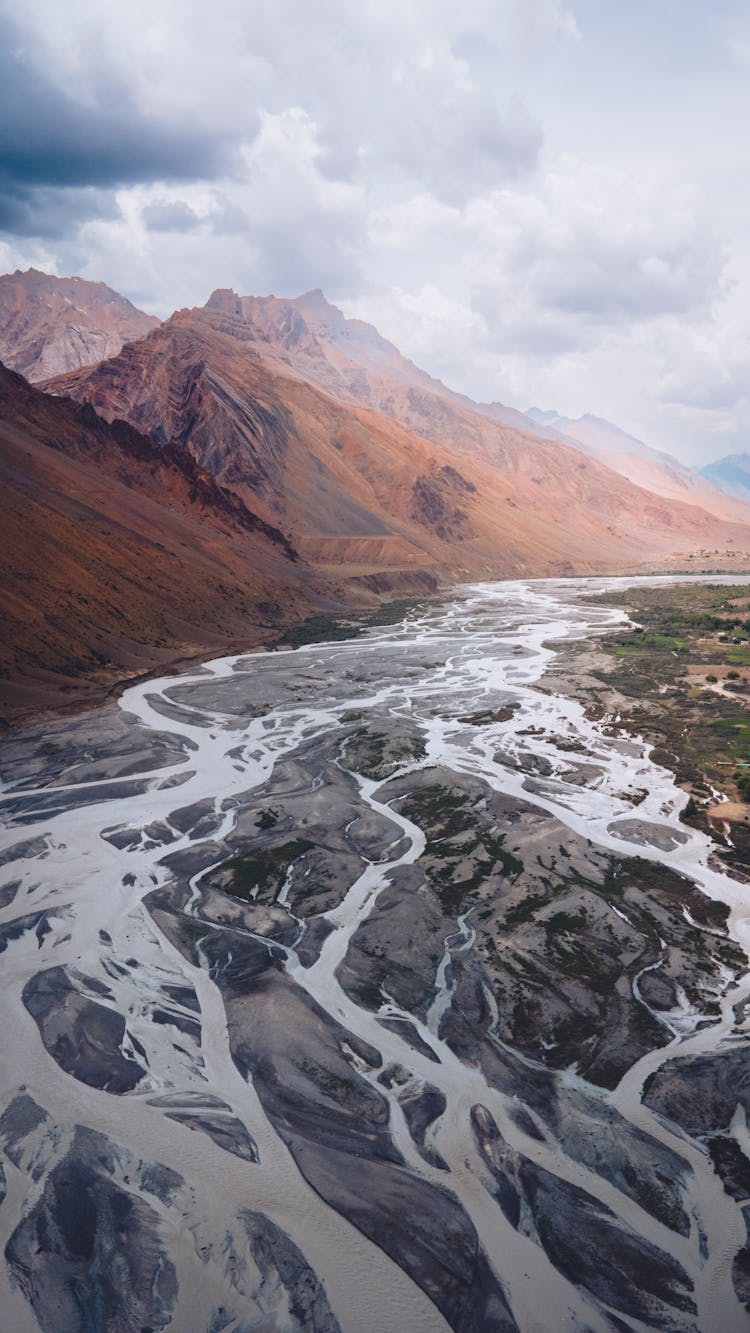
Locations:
(117, 553)
(730, 474)
(315, 466)
(651, 468)
(324, 428)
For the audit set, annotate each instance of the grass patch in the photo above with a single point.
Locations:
(262, 871)
(453, 837)
(331, 629)
(701, 733)
(375, 754)
(565, 923)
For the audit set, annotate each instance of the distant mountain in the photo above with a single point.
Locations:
(602, 437)
(541, 417)
(49, 325)
(118, 555)
(730, 475)
(653, 469)
(375, 468)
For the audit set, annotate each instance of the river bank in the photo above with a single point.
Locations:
(680, 676)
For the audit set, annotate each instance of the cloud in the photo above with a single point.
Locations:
(62, 156)
(588, 253)
(278, 225)
(48, 138)
(607, 247)
(165, 215)
(711, 372)
(97, 99)
(48, 213)
(585, 292)
(153, 92)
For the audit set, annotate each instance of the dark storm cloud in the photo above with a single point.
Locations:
(50, 212)
(53, 146)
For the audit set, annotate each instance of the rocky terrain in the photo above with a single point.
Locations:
(368, 985)
(681, 678)
(49, 325)
(119, 554)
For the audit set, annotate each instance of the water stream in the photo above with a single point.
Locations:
(86, 852)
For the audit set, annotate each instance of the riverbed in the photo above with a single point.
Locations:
(263, 925)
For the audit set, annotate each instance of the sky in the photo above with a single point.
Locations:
(543, 202)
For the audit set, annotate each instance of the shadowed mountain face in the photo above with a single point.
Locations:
(118, 555)
(325, 429)
(49, 325)
(730, 474)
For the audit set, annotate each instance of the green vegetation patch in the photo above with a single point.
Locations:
(261, 871)
(375, 754)
(686, 669)
(565, 923)
(454, 837)
(317, 629)
(646, 643)
(673, 890)
(330, 629)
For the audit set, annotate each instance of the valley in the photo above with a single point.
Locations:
(372, 984)
(202, 484)
(374, 668)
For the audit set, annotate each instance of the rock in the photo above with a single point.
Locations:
(585, 1241)
(84, 1037)
(280, 1262)
(701, 1092)
(89, 1255)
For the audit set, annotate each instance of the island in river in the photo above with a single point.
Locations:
(375, 985)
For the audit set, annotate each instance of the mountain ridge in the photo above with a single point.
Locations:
(730, 474)
(339, 439)
(257, 458)
(653, 469)
(49, 325)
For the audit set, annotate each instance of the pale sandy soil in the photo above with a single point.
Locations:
(730, 811)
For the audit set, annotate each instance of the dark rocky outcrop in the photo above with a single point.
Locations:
(84, 1037)
(89, 1254)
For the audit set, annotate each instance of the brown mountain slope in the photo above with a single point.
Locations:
(424, 481)
(49, 325)
(351, 360)
(650, 468)
(118, 556)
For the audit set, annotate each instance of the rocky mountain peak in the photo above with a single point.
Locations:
(225, 301)
(51, 325)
